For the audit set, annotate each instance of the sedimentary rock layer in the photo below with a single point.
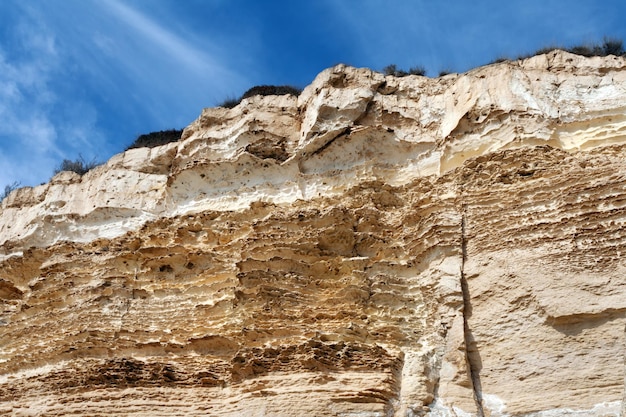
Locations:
(377, 246)
(350, 125)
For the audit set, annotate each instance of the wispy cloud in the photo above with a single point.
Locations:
(39, 124)
(186, 54)
(27, 136)
(87, 77)
(169, 62)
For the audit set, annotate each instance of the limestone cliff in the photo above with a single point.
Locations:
(377, 246)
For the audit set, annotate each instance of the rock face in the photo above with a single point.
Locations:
(378, 246)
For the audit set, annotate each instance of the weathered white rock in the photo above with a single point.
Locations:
(272, 148)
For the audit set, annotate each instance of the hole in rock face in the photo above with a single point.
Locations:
(269, 148)
(8, 291)
(166, 268)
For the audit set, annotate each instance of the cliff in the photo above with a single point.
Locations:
(377, 246)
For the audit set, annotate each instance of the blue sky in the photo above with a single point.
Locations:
(88, 76)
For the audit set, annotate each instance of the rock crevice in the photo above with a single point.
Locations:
(474, 362)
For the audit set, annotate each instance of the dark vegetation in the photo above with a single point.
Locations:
(153, 139)
(230, 102)
(8, 189)
(262, 90)
(609, 46)
(396, 72)
(271, 90)
(79, 165)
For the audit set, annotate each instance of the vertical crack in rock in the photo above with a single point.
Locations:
(473, 360)
(623, 408)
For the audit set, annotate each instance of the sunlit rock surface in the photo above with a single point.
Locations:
(378, 246)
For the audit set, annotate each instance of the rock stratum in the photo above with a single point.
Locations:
(377, 246)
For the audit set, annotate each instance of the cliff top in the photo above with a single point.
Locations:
(349, 125)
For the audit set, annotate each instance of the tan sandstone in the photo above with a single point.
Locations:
(377, 246)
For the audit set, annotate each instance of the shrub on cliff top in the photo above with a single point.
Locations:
(229, 103)
(8, 189)
(396, 72)
(262, 90)
(271, 90)
(153, 139)
(609, 46)
(79, 166)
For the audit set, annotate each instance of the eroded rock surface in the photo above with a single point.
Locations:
(378, 246)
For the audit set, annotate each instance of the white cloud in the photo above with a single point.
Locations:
(170, 63)
(27, 135)
(87, 77)
(31, 141)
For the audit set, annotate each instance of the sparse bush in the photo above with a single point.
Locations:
(393, 70)
(8, 189)
(585, 50)
(229, 103)
(546, 49)
(271, 90)
(609, 46)
(79, 165)
(445, 72)
(153, 139)
(262, 90)
(500, 59)
(419, 70)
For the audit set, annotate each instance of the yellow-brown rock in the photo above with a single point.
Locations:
(378, 246)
